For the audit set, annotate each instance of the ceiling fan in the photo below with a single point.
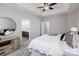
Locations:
(47, 6)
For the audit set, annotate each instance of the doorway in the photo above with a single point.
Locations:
(25, 32)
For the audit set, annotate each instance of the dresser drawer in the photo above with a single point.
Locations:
(9, 45)
(5, 50)
(2, 53)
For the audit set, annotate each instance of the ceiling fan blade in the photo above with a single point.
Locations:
(51, 8)
(52, 4)
(43, 10)
(41, 7)
(45, 4)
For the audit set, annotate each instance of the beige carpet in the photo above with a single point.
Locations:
(23, 50)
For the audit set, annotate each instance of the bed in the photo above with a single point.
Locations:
(52, 46)
(46, 45)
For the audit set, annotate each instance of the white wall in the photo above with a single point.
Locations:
(60, 23)
(34, 27)
(73, 20)
(57, 23)
(7, 23)
(13, 14)
(78, 19)
(25, 25)
(17, 16)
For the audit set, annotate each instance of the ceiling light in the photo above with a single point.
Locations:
(46, 8)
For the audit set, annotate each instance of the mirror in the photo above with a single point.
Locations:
(7, 26)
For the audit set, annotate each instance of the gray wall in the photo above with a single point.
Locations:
(57, 23)
(7, 23)
(17, 15)
(73, 20)
(60, 23)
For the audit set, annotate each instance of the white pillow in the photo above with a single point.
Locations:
(57, 37)
(8, 32)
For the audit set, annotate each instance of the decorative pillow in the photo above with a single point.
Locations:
(78, 33)
(62, 37)
(69, 39)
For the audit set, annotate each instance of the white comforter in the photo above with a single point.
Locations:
(50, 45)
(68, 51)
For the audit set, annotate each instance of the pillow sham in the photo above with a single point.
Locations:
(69, 39)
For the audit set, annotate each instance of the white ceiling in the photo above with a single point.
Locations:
(32, 8)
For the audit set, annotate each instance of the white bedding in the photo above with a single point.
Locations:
(68, 51)
(50, 45)
(8, 32)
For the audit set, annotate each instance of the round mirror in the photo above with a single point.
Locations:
(7, 26)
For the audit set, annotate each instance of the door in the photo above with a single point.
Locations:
(44, 27)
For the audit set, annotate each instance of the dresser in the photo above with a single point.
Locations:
(9, 44)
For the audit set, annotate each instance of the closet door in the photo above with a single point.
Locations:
(47, 26)
(44, 27)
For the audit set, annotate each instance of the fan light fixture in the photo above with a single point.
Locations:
(47, 6)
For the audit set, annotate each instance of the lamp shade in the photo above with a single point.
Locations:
(74, 29)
